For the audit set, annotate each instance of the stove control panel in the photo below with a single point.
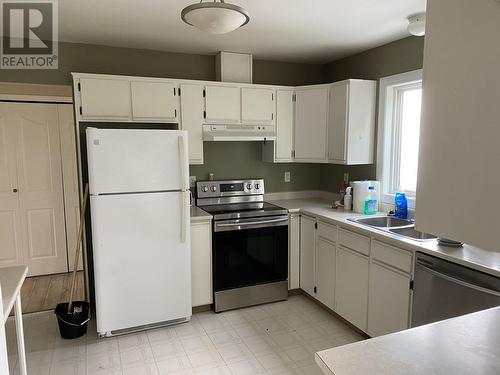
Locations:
(226, 188)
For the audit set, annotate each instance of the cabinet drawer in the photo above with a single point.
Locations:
(327, 231)
(392, 256)
(354, 241)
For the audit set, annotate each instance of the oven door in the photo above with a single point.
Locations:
(249, 252)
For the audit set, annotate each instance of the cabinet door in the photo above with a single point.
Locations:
(154, 101)
(222, 104)
(192, 120)
(257, 106)
(351, 287)
(293, 252)
(325, 272)
(311, 117)
(460, 132)
(201, 263)
(284, 125)
(307, 250)
(11, 231)
(389, 300)
(105, 98)
(337, 130)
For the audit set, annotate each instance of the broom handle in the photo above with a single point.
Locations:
(78, 247)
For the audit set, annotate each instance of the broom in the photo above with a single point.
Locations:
(78, 247)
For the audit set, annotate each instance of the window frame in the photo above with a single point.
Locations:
(389, 134)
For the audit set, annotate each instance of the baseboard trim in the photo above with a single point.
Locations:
(202, 308)
(329, 310)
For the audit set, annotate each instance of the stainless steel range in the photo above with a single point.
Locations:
(249, 243)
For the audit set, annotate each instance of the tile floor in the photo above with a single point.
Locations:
(278, 338)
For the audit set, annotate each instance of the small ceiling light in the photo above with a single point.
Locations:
(215, 17)
(416, 24)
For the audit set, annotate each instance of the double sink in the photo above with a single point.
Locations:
(402, 227)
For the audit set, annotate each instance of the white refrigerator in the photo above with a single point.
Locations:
(140, 214)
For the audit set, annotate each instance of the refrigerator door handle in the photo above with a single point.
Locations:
(182, 160)
(184, 188)
(185, 217)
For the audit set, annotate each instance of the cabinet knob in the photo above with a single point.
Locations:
(14, 190)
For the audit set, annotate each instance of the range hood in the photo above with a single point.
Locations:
(239, 133)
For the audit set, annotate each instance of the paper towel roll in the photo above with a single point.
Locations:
(360, 192)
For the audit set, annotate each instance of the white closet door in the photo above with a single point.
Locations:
(10, 218)
(40, 187)
(70, 179)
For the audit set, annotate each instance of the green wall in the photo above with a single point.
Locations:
(88, 58)
(397, 57)
(242, 159)
(225, 160)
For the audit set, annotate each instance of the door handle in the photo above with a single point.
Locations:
(14, 190)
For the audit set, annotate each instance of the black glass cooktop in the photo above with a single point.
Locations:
(239, 210)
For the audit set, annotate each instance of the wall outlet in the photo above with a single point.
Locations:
(192, 181)
(287, 176)
(346, 178)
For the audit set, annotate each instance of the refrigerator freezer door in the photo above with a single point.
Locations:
(136, 160)
(142, 268)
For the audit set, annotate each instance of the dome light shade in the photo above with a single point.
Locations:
(215, 17)
(416, 24)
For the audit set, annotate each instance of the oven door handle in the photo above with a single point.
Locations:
(248, 223)
(458, 281)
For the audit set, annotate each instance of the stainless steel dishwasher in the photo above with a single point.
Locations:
(442, 290)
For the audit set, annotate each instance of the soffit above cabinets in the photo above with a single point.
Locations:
(317, 31)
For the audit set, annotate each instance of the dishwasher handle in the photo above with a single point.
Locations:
(458, 281)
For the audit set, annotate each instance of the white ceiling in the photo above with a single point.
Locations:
(316, 31)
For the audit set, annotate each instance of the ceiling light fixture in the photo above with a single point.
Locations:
(416, 24)
(215, 17)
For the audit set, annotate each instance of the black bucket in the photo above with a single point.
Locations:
(73, 325)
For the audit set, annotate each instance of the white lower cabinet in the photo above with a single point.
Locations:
(351, 287)
(307, 253)
(293, 251)
(325, 272)
(201, 263)
(389, 300)
(365, 281)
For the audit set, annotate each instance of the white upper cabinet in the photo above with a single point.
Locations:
(311, 119)
(257, 106)
(192, 104)
(351, 124)
(154, 101)
(222, 104)
(105, 98)
(460, 124)
(281, 150)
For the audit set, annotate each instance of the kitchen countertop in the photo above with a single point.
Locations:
(11, 281)
(197, 214)
(469, 256)
(469, 344)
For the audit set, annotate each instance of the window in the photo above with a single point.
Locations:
(398, 135)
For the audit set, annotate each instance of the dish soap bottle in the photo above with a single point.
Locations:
(371, 203)
(401, 205)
